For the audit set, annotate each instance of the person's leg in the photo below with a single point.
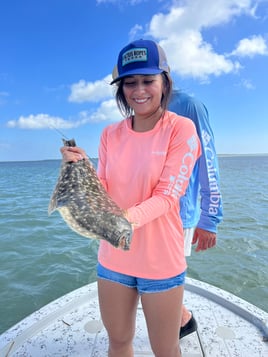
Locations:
(163, 320)
(118, 305)
(186, 316)
(188, 238)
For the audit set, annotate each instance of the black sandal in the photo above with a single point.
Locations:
(188, 328)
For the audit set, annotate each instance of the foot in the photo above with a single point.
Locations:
(189, 327)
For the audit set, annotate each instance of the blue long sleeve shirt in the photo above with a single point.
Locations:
(201, 205)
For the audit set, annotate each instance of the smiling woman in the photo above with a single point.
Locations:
(145, 185)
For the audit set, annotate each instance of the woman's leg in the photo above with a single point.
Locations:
(163, 316)
(118, 306)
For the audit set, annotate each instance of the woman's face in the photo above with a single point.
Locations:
(143, 93)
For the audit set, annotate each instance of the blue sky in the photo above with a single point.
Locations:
(56, 59)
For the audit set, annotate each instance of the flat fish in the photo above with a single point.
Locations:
(86, 207)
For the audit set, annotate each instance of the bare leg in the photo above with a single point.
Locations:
(163, 321)
(118, 306)
(186, 315)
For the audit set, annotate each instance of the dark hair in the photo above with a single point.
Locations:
(127, 111)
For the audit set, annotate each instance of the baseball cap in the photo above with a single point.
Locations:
(140, 57)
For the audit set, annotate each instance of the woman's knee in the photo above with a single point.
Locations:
(120, 344)
(121, 336)
(164, 351)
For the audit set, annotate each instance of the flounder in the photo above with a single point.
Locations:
(86, 207)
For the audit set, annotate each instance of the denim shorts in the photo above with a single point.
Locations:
(142, 285)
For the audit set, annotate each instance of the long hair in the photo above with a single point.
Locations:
(127, 111)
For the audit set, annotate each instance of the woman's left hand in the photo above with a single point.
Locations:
(73, 154)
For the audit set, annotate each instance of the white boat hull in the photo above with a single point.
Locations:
(71, 326)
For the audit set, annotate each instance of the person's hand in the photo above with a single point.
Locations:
(133, 225)
(73, 154)
(204, 239)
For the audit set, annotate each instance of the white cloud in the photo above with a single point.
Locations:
(41, 121)
(83, 91)
(250, 47)
(197, 15)
(180, 33)
(107, 111)
(189, 55)
(133, 34)
(120, 2)
(247, 84)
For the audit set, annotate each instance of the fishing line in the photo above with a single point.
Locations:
(65, 137)
(58, 131)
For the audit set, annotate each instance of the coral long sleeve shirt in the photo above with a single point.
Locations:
(146, 173)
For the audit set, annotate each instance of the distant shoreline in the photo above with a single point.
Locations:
(95, 158)
(233, 155)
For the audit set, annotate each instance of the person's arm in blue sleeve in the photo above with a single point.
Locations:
(208, 180)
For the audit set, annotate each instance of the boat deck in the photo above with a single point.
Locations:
(71, 326)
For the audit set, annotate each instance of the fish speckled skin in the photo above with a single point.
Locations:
(85, 205)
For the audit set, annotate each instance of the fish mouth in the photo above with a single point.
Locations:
(124, 241)
(116, 230)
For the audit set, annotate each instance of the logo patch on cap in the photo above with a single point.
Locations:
(134, 55)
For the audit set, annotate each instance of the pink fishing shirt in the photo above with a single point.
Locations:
(146, 173)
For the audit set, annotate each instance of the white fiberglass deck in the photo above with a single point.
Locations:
(71, 326)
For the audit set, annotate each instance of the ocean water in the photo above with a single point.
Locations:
(42, 259)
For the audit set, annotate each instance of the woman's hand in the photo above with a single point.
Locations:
(73, 154)
(133, 224)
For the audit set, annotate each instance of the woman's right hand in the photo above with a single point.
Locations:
(73, 154)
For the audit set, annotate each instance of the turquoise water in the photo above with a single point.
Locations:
(41, 258)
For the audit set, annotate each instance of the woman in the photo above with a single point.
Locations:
(145, 162)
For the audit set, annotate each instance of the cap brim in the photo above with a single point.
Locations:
(138, 71)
